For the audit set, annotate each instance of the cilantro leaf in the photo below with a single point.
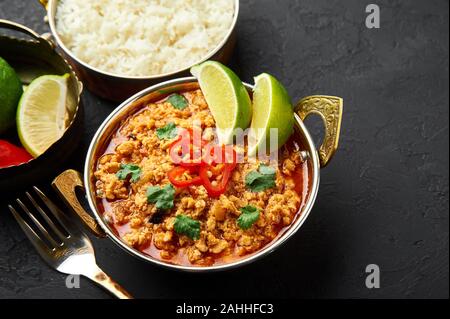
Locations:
(167, 132)
(266, 170)
(261, 179)
(187, 226)
(178, 101)
(129, 169)
(162, 197)
(249, 215)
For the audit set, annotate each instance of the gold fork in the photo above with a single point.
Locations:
(67, 249)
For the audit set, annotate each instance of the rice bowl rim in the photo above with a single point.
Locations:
(51, 7)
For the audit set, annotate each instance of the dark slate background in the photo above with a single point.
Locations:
(383, 198)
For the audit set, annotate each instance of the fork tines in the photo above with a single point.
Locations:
(60, 242)
(43, 239)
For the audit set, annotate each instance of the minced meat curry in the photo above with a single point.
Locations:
(192, 213)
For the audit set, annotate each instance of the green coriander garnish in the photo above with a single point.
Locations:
(178, 101)
(249, 215)
(167, 132)
(129, 169)
(162, 197)
(187, 226)
(261, 179)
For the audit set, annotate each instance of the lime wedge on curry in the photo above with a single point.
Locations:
(227, 98)
(41, 113)
(273, 115)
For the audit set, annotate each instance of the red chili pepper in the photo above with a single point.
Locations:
(221, 187)
(204, 159)
(11, 155)
(178, 171)
(224, 161)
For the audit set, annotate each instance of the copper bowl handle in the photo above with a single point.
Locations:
(42, 39)
(65, 185)
(329, 108)
(44, 3)
(18, 27)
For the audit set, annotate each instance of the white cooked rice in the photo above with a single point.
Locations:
(143, 37)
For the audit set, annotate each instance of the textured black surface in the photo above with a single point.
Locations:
(383, 198)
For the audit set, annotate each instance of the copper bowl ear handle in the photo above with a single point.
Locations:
(44, 3)
(18, 27)
(42, 39)
(65, 185)
(329, 108)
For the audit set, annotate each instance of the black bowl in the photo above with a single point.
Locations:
(32, 58)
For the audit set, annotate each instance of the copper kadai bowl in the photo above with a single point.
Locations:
(32, 55)
(116, 87)
(328, 107)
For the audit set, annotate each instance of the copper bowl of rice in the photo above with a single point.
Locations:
(119, 47)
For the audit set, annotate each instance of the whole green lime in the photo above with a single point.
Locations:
(10, 93)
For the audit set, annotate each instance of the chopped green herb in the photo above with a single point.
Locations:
(187, 226)
(249, 215)
(178, 101)
(162, 197)
(261, 179)
(167, 132)
(129, 169)
(267, 170)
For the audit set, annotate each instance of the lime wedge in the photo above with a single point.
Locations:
(273, 115)
(227, 98)
(41, 113)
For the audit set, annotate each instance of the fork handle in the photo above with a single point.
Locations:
(102, 279)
